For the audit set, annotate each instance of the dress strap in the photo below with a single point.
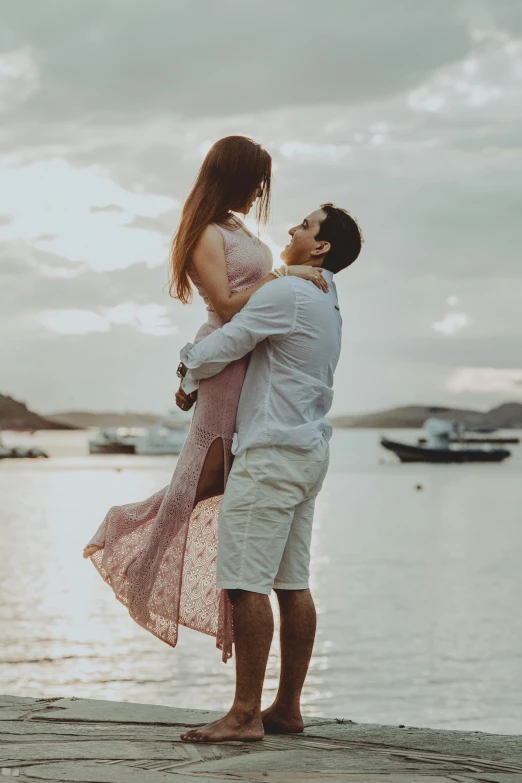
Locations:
(228, 235)
(222, 230)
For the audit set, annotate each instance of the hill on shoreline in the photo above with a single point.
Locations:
(506, 416)
(15, 415)
(87, 419)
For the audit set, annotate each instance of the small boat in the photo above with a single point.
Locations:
(20, 452)
(439, 446)
(113, 440)
(407, 452)
(166, 436)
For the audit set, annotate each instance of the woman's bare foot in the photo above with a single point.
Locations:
(231, 727)
(90, 550)
(279, 721)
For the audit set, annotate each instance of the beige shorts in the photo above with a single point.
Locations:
(266, 516)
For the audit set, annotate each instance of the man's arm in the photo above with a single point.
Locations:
(270, 312)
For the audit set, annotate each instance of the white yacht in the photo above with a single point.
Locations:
(166, 436)
(114, 440)
(20, 452)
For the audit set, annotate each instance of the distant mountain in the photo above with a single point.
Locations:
(15, 415)
(506, 416)
(86, 419)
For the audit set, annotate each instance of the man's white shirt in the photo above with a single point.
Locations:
(294, 331)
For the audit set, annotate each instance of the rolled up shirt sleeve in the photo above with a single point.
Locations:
(270, 312)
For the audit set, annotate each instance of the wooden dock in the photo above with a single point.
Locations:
(88, 741)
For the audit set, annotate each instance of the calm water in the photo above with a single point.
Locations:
(419, 592)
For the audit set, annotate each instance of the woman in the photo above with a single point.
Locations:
(159, 555)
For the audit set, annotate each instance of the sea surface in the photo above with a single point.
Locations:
(416, 572)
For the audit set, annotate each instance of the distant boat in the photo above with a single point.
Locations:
(20, 452)
(165, 437)
(410, 453)
(113, 440)
(438, 446)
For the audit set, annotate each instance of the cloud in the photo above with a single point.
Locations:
(488, 76)
(74, 322)
(506, 383)
(18, 77)
(451, 323)
(210, 59)
(150, 319)
(108, 208)
(33, 280)
(411, 121)
(80, 213)
(303, 150)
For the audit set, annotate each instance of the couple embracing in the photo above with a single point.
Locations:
(236, 520)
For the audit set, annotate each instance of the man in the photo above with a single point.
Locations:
(281, 458)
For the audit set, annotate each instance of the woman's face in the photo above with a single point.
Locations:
(258, 192)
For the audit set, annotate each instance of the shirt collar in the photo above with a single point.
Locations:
(328, 275)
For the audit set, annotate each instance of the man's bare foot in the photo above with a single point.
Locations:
(231, 727)
(279, 721)
(90, 550)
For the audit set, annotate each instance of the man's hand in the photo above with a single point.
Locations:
(185, 401)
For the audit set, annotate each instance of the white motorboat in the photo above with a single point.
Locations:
(166, 436)
(114, 440)
(20, 452)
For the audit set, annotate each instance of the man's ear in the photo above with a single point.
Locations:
(322, 249)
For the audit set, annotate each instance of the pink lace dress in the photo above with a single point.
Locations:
(159, 555)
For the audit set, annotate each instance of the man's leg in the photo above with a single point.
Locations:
(253, 632)
(297, 634)
(296, 609)
(257, 512)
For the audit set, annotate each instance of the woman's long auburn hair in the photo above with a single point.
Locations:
(234, 168)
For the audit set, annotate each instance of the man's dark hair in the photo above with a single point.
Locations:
(344, 235)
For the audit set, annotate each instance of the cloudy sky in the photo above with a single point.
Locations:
(406, 112)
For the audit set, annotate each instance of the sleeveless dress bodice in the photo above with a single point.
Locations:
(248, 261)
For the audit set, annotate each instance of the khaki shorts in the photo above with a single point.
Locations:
(266, 516)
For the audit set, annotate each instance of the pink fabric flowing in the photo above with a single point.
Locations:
(159, 554)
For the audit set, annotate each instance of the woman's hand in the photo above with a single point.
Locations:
(185, 401)
(313, 273)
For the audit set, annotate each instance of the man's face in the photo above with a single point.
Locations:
(303, 247)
